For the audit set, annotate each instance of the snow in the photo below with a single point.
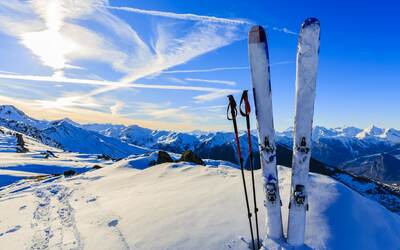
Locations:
(9, 112)
(178, 206)
(37, 162)
(73, 138)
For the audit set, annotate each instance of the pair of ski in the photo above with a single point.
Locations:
(306, 71)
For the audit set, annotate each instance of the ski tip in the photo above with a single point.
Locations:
(257, 34)
(310, 21)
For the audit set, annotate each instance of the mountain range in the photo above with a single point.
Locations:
(371, 152)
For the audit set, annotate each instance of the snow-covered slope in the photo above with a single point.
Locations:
(178, 206)
(381, 167)
(72, 138)
(38, 160)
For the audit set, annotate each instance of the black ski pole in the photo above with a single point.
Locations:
(233, 110)
(246, 113)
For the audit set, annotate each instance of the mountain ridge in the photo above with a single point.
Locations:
(332, 146)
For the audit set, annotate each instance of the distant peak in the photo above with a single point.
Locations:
(372, 129)
(10, 109)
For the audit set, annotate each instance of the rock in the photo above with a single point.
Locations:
(163, 157)
(189, 156)
(69, 173)
(96, 167)
(48, 154)
(20, 144)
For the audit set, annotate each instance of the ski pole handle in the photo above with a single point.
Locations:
(245, 100)
(232, 108)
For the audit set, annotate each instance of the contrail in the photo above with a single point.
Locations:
(111, 84)
(186, 16)
(202, 70)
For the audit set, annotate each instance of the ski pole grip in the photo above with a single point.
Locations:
(232, 108)
(245, 100)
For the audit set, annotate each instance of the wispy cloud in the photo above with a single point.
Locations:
(214, 95)
(203, 70)
(57, 35)
(111, 84)
(116, 107)
(284, 30)
(187, 16)
(217, 69)
(225, 82)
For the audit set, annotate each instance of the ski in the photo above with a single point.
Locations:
(306, 72)
(260, 74)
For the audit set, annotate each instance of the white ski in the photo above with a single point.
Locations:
(260, 74)
(306, 73)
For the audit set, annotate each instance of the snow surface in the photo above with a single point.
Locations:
(37, 162)
(178, 206)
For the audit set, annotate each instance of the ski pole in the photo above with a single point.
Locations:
(246, 113)
(233, 110)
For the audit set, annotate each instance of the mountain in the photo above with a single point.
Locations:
(72, 138)
(66, 134)
(9, 112)
(382, 167)
(339, 145)
(179, 206)
(332, 146)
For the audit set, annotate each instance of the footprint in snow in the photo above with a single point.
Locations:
(91, 199)
(113, 223)
(11, 230)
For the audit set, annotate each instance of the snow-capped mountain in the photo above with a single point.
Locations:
(72, 138)
(9, 112)
(333, 146)
(382, 167)
(66, 134)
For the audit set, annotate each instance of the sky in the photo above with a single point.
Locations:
(170, 64)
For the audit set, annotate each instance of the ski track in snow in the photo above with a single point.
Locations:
(113, 226)
(53, 219)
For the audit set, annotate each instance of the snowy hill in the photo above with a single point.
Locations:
(38, 159)
(178, 206)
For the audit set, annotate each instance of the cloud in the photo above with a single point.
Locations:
(54, 32)
(203, 70)
(111, 84)
(217, 69)
(116, 108)
(225, 82)
(284, 30)
(191, 17)
(64, 35)
(214, 95)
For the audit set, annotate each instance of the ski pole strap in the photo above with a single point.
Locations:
(231, 108)
(245, 100)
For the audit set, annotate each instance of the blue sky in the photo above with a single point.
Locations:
(170, 64)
